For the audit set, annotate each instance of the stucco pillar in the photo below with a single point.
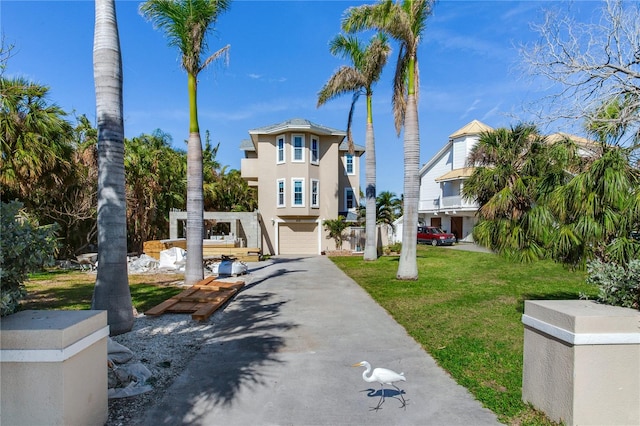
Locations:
(582, 362)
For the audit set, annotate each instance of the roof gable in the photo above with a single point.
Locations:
(473, 128)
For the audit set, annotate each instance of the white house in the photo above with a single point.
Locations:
(441, 182)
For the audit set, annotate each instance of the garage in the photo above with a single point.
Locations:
(298, 238)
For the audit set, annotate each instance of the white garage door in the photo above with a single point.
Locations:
(298, 238)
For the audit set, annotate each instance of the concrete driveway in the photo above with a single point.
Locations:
(283, 352)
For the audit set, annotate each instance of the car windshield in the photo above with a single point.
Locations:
(437, 231)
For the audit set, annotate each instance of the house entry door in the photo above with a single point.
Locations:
(436, 221)
(456, 227)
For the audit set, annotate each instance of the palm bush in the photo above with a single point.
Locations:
(24, 247)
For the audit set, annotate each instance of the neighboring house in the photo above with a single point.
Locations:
(304, 175)
(442, 180)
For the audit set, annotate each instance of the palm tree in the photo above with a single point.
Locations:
(111, 292)
(187, 23)
(405, 22)
(388, 207)
(36, 144)
(358, 79)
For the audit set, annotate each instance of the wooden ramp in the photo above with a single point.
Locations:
(201, 300)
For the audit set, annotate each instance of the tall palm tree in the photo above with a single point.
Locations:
(359, 79)
(405, 22)
(186, 23)
(111, 292)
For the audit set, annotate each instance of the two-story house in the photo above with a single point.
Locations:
(304, 174)
(442, 180)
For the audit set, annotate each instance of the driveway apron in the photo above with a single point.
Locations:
(283, 351)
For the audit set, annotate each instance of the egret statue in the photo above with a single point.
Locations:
(384, 377)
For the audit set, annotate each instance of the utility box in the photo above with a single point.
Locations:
(582, 362)
(53, 366)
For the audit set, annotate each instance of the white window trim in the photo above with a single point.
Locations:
(353, 164)
(317, 203)
(355, 200)
(284, 193)
(284, 145)
(293, 148)
(293, 192)
(317, 140)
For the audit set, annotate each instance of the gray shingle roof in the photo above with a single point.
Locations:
(298, 124)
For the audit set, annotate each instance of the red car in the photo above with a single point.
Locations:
(435, 236)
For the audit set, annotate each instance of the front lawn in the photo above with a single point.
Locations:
(465, 310)
(61, 289)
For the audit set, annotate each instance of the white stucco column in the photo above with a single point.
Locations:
(319, 222)
(276, 225)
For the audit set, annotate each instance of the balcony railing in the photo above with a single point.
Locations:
(451, 202)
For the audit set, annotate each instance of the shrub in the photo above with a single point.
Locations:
(618, 286)
(24, 247)
(336, 227)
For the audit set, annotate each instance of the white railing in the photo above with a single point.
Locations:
(451, 202)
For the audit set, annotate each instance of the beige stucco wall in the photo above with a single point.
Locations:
(582, 362)
(54, 368)
(328, 172)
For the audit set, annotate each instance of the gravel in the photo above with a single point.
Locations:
(163, 344)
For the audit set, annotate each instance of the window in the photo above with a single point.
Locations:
(297, 196)
(298, 148)
(315, 150)
(349, 163)
(350, 199)
(281, 202)
(280, 148)
(315, 193)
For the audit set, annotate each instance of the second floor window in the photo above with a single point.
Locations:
(298, 148)
(281, 193)
(280, 147)
(315, 193)
(298, 193)
(315, 150)
(349, 164)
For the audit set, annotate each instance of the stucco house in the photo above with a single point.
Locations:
(304, 174)
(442, 180)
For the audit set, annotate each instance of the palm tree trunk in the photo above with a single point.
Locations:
(370, 249)
(407, 267)
(194, 271)
(111, 292)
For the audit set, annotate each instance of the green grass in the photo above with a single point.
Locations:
(465, 310)
(70, 290)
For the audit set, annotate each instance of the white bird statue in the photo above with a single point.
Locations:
(383, 376)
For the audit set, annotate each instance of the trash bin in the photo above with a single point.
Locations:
(53, 366)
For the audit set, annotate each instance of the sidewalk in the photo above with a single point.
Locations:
(283, 352)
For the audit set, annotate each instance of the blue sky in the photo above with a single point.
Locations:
(279, 60)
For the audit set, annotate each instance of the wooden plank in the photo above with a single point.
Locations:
(212, 297)
(167, 304)
(206, 311)
(162, 307)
